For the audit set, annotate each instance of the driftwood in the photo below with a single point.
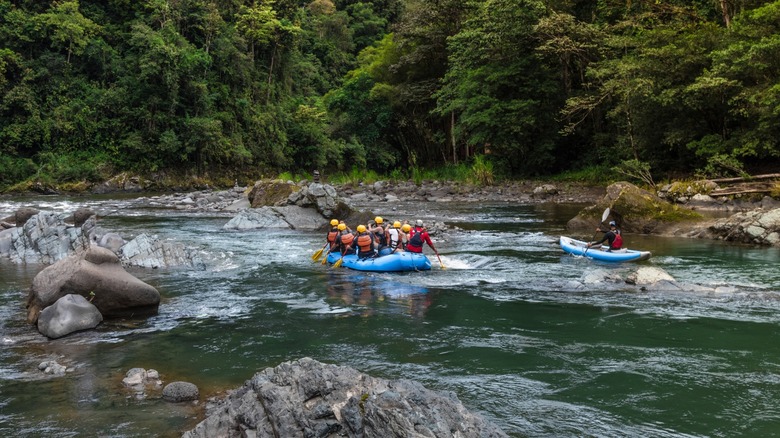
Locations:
(738, 191)
(747, 179)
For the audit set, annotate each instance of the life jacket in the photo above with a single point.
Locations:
(332, 236)
(393, 238)
(618, 242)
(346, 240)
(416, 238)
(381, 237)
(365, 243)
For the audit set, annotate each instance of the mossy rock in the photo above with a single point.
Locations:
(635, 211)
(271, 193)
(680, 190)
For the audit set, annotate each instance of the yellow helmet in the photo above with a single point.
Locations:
(406, 228)
(378, 220)
(342, 227)
(334, 222)
(361, 228)
(396, 224)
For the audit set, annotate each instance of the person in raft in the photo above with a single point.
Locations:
(366, 246)
(332, 235)
(394, 237)
(344, 240)
(613, 237)
(417, 236)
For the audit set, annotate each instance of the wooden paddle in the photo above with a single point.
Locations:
(440, 263)
(317, 254)
(604, 217)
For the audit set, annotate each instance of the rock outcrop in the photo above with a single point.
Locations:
(270, 193)
(635, 211)
(147, 251)
(760, 227)
(45, 238)
(97, 274)
(69, 314)
(308, 398)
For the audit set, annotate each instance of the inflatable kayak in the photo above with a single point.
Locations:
(580, 248)
(396, 262)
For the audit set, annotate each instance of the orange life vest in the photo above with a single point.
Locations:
(365, 243)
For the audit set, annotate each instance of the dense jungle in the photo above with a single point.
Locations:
(222, 90)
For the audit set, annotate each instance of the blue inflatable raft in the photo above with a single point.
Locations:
(580, 248)
(396, 262)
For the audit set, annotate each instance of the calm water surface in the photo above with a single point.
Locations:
(505, 326)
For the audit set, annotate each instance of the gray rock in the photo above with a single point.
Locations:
(287, 217)
(647, 275)
(308, 398)
(151, 252)
(95, 271)
(180, 391)
(44, 238)
(71, 313)
(112, 241)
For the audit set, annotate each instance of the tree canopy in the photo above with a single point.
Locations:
(92, 88)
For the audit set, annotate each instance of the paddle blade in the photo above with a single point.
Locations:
(440, 263)
(605, 215)
(338, 263)
(317, 255)
(325, 260)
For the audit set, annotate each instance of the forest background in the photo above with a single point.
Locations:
(228, 90)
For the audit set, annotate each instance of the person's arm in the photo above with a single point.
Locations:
(603, 239)
(427, 239)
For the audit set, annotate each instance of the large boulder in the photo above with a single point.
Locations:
(309, 398)
(97, 274)
(71, 313)
(270, 193)
(635, 210)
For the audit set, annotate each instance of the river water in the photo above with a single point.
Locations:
(507, 326)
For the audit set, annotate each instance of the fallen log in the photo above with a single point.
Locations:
(746, 179)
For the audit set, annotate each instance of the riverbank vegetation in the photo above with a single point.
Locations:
(484, 89)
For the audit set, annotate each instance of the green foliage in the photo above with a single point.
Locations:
(721, 166)
(598, 174)
(14, 169)
(637, 170)
(482, 171)
(210, 88)
(91, 166)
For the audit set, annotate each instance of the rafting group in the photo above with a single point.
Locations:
(377, 246)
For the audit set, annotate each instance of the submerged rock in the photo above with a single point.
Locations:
(310, 398)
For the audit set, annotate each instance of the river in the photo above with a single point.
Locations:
(507, 326)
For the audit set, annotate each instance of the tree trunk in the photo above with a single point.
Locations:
(724, 7)
(270, 75)
(452, 138)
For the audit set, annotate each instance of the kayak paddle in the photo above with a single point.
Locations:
(604, 217)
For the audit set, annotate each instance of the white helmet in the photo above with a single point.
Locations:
(419, 223)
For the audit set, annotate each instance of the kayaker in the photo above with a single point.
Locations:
(365, 243)
(345, 239)
(417, 235)
(613, 237)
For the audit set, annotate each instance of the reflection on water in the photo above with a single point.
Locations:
(505, 324)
